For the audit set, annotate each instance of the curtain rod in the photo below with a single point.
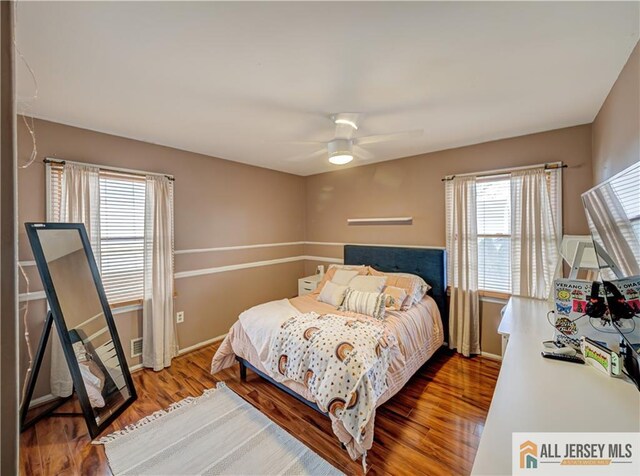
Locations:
(140, 173)
(488, 173)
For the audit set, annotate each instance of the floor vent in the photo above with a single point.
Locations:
(136, 347)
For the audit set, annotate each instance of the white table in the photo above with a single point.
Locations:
(535, 394)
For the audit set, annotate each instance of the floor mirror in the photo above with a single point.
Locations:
(79, 344)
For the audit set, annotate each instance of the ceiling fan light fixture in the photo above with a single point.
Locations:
(340, 151)
(341, 159)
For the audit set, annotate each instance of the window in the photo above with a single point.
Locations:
(493, 213)
(493, 202)
(122, 208)
(122, 235)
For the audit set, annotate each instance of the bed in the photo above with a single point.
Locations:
(413, 336)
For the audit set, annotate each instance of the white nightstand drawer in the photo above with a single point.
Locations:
(308, 284)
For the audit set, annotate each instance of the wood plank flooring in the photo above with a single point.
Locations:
(431, 427)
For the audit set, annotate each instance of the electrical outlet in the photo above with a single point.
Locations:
(180, 317)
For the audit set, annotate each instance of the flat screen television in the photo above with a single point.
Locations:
(613, 213)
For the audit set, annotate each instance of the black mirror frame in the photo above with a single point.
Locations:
(58, 318)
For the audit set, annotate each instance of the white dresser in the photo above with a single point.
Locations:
(541, 395)
(308, 284)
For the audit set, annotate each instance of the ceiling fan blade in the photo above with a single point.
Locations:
(388, 137)
(302, 142)
(362, 153)
(308, 156)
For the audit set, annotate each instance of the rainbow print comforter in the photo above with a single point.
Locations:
(343, 361)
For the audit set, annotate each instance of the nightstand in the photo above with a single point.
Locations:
(308, 284)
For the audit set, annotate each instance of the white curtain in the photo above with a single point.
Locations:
(159, 344)
(534, 241)
(614, 230)
(462, 254)
(80, 203)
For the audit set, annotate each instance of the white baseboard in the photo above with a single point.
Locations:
(186, 350)
(491, 356)
(201, 344)
(42, 400)
(135, 368)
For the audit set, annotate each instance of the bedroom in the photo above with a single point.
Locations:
(235, 109)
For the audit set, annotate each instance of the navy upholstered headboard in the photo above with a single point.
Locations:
(428, 263)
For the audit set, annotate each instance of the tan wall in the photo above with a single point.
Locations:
(221, 203)
(616, 129)
(217, 203)
(413, 187)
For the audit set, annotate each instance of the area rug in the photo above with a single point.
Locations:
(216, 433)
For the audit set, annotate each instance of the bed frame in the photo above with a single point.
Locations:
(428, 263)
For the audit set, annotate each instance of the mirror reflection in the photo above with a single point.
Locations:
(613, 213)
(86, 324)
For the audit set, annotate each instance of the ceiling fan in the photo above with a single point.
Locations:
(345, 146)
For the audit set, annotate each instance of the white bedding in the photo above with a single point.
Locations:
(262, 323)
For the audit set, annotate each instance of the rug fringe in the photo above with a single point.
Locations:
(157, 414)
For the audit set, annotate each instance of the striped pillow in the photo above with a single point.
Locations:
(369, 304)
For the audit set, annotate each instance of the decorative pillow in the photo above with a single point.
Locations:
(422, 290)
(332, 293)
(328, 276)
(368, 284)
(415, 286)
(343, 276)
(395, 298)
(370, 304)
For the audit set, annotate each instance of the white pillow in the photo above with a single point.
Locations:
(370, 304)
(332, 293)
(368, 284)
(343, 276)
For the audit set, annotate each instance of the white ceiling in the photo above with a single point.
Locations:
(239, 80)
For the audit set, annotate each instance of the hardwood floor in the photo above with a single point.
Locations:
(432, 426)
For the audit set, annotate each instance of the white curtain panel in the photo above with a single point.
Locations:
(462, 254)
(534, 242)
(614, 230)
(159, 343)
(80, 203)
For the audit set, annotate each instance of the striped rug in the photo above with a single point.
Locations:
(216, 433)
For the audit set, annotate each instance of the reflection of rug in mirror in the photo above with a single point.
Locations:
(216, 433)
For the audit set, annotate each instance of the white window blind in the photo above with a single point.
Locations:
(493, 202)
(122, 235)
(122, 197)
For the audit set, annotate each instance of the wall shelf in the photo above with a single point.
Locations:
(380, 221)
